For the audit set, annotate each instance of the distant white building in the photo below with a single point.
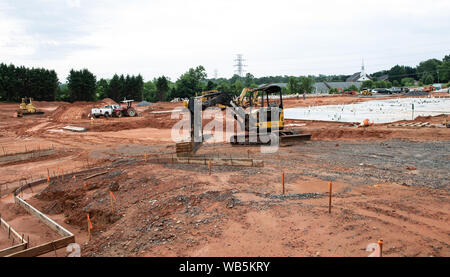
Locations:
(359, 76)
(324, 87)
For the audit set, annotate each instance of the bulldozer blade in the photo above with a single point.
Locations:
(36, 113)
(287, 140)
(21, 113)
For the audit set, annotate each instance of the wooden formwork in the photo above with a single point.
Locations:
(42, 217)
(22, 249)
(45, 248)
(22, 243)
(214, 161)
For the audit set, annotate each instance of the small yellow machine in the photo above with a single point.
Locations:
(366, 92)
(27, 108)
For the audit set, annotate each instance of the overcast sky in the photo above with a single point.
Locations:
(282, 37)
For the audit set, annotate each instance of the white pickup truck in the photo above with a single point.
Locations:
(107, 110)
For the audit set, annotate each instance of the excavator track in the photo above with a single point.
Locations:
(286, 138)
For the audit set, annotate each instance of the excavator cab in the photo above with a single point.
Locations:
(270, 102)
(266, 103)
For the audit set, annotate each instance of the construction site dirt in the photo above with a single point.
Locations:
(389, 182)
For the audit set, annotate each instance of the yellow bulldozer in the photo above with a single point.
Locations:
(366, 92)
(27, 108)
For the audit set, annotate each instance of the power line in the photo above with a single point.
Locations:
(239, 65)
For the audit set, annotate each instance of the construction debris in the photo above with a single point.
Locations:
(74, 129)
(417, 125)
(143, 104)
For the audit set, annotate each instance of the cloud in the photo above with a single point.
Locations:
(74, 3)
(167, 37)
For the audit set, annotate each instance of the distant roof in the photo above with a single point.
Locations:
(354, 77)
(344, 85)
(324, 87)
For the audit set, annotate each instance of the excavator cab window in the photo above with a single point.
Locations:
(271, 96)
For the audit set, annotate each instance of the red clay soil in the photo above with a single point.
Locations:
(179, 210)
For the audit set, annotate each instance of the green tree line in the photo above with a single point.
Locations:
(82, 85)
(18, 82)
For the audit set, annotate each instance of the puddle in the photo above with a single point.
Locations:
(378, 111)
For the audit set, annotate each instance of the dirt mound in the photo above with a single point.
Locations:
(155, 121)
(430, 119)
(363, 133)
(78, 110)
(440, 94)
(106, 101)
(417, 93)
(75, 201)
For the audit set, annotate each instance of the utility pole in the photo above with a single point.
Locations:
(239, 65)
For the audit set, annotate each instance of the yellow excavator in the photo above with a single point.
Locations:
(27, 108)
(247, 98)
(262, 102)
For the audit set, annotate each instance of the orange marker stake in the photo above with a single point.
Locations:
(112, 195)
(330, 187)
(209, 166)
(48, 176)
(112, 198)
(282, 181)
(89, 226)
(145, 156)
(84, 185)
(380, 244)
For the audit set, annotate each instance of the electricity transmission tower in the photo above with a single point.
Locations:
(239, 65)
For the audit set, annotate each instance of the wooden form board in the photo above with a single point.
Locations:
(13, 249)
(22, 250)
(44, 248)
(42, 181)
(43, 218)
(68, 237)
(214, 161)
(22, 243)
(11, 232)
